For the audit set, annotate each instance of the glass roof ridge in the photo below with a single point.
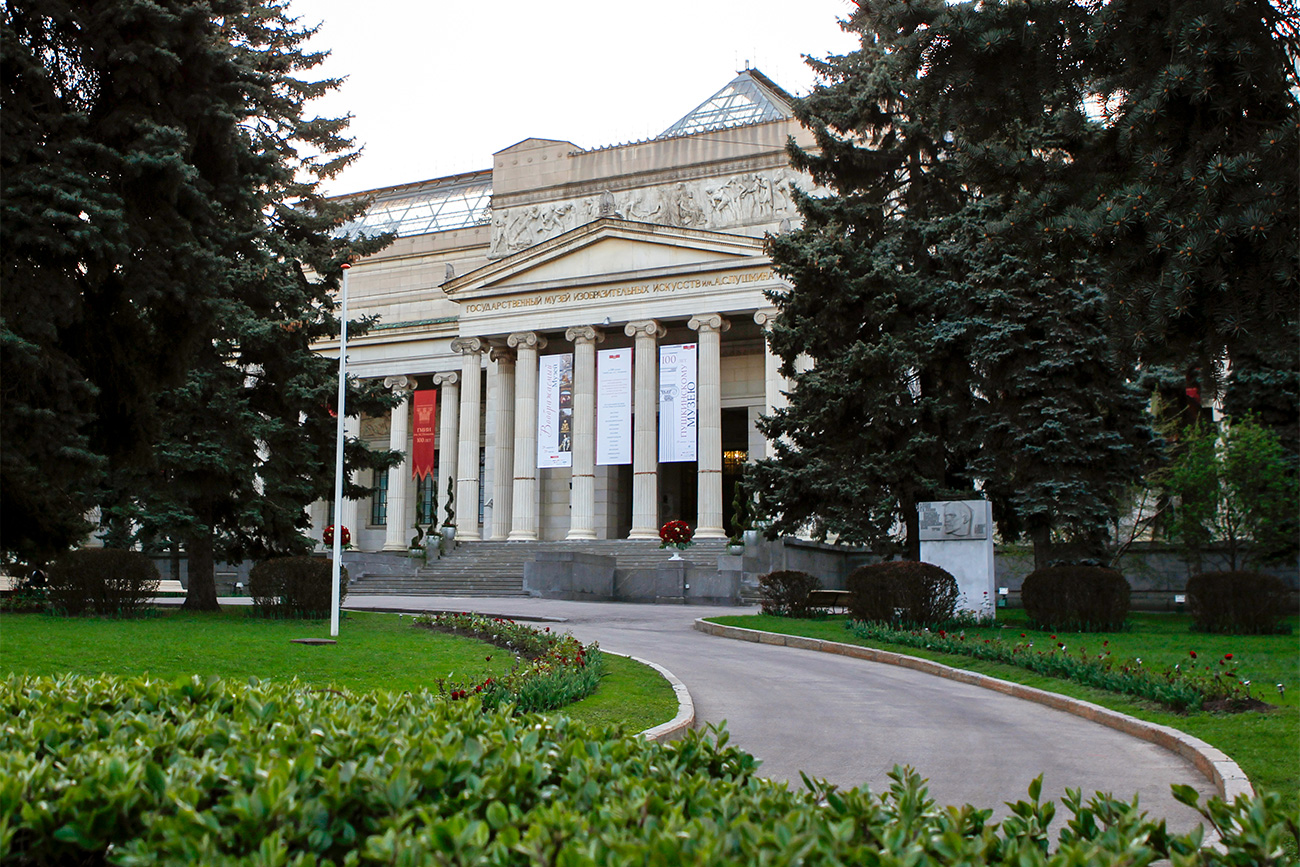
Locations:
(751, 97)
(436, 205)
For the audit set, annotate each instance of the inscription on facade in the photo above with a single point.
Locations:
(548, 299)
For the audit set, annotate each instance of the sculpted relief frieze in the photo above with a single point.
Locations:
(748, 199)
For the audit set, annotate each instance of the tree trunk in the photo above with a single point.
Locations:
(1042, 538)
(202, 595)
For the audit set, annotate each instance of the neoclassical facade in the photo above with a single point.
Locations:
(578, 273)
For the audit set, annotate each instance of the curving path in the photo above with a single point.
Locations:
(850, 721)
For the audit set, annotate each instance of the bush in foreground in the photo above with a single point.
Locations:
(1241, 603)
(1076, 598)
(902, 591)
(785, 592)
(109, 770)
(295, 586)
(110, 582)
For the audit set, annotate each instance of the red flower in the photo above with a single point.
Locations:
(1227, 656)
(1193, 653)
(328, 536)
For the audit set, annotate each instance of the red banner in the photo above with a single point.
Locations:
(426, 415)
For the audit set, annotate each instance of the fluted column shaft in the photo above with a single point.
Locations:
(524, 518)
(471, 397)
(582, 509)
(645, 428)
(503, 482)
(774, 384)
(709, 520)
(351, 517)
(399, 418)
(448, 440)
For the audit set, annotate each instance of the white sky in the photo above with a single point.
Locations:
(437, 86)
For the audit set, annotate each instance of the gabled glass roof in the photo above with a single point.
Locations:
(750, 97)
(433, 206)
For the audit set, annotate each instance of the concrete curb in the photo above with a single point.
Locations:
(1220, 770)
(685, 719)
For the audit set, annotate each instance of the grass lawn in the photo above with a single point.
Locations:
(375, 651)
(1265, 745)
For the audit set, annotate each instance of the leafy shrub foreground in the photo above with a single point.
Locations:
(550, 670)
(131, 771)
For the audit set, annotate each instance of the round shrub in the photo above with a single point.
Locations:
(1242, 603)
(902, 591)
(1080, 598)
(295, 586)
(110, 582)
(785, 593)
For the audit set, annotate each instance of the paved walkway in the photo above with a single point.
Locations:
(850, 721)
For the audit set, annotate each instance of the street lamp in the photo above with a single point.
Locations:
(337, 555)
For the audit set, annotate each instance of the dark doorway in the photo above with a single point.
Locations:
(735, 454)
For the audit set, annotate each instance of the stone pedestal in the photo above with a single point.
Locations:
(958, 536)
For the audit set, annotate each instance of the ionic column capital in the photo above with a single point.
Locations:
(584, 334)
(709, 322)
(502, 355)
(399, 383)
(448, 378)
(764, 317)
(526, 339)
(645, 328)
(467, 345)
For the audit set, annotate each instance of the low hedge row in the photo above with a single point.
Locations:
(295, 586)
(132, 772)
(1241, 603)
(902, 592)
(109, 582)
(1076, 598)
(785, 592)
(550, 670)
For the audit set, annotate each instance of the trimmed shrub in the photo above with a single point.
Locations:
(785, 592)
(295, 586)
(110, 582)
(902, 591)
(1076, 598)
(204, 771)
(1241, 603)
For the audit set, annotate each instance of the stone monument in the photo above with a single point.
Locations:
(957, 535)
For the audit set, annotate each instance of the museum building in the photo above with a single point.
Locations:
(578, 335)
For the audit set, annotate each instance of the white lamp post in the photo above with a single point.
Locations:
(337, 564)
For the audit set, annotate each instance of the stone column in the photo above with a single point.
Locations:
(709, 518)
(396, 533)
(582, 508)
(448, 439)
(471, 396)
(774, 384)
(645, 428)
(503, 481)
(351, 517)
(523, 500)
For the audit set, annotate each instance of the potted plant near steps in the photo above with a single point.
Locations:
(676, 535)
(740, 521)
(449, 519)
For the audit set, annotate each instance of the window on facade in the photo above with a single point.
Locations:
(379, 500)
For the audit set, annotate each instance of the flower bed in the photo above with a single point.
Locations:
(549, 672)
(1179, 688)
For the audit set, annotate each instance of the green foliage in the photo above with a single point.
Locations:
(1240, 603)
(1078, 598)
(549, 672)
(449, 514)
(902, 591)
(295, 587)
(214, 772)
(1233, 484)
(785, 592)
(108, 582)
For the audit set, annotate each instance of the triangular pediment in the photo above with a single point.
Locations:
(604, 249)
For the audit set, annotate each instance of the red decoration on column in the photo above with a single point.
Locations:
(425, 404)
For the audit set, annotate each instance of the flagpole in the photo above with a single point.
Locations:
(337, 556)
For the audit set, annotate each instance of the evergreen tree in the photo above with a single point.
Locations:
(955, 336)
(171, 255)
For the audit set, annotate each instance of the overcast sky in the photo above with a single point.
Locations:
(438, 86)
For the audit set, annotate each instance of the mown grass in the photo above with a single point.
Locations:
(1265, 744)
(374, 652)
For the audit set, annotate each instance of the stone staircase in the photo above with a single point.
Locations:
(497, 568)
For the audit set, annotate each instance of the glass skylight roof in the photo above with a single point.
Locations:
(748, 98)
(433, 206)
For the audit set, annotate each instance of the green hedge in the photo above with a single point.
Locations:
(785, 592)
(109, 582)
(1240, 603)
(902, 592)
(110, 770)
(1076, 598)
(300, 586)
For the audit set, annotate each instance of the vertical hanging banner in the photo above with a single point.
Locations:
(425, 403)
(613, 407)
(555, 411)
(678, 408)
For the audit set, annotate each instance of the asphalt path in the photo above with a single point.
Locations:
(851, 721)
